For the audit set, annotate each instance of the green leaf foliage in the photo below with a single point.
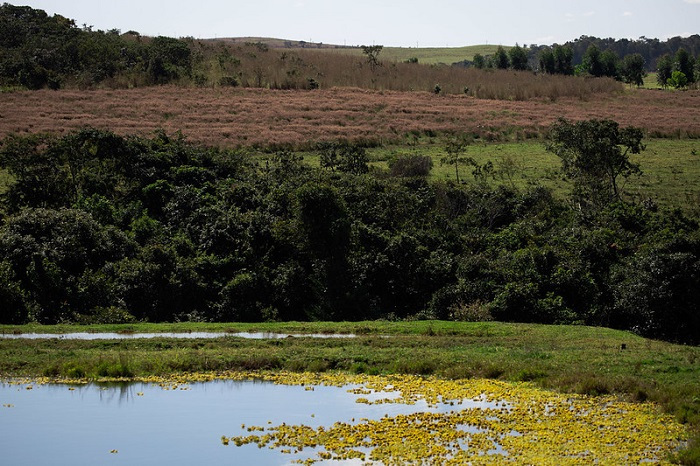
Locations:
(100, 228)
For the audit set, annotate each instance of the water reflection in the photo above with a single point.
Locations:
(173, 424)
(186, 335)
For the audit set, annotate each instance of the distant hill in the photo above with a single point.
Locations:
(650, 49)
(425, 55)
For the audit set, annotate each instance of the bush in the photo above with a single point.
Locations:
(411, 166)
(473, 312)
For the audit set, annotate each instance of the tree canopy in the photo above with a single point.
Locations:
(96, 227)
(595, 153)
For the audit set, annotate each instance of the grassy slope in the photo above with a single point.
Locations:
(426, 55)
(670, 168)
(584, 359)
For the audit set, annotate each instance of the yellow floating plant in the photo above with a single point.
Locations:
(526, 426)
(519, 424)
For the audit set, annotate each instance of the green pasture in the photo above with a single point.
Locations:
(670, 168)
(425, 55)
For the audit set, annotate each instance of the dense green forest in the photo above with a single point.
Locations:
(103, 228)
(38, 50)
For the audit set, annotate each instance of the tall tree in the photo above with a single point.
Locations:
(372, 54)
(591, 61)
(685, 64)
(664, 68)
(594, 154)
(633, 69)
(563, 60)
(455, 149)
(610, 63)
(501, 59)
(518, 58)
(547, 62)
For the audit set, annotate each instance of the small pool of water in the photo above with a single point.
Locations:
(146, 424)
(189, 335)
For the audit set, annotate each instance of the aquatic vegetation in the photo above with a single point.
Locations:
(474, 420)
(516, 424)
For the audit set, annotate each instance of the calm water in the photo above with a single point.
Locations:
(193, 335)
(51, 424)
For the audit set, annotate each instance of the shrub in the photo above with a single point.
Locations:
(472, 312)
(413, 165)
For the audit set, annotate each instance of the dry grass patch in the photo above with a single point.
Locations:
(273, 118)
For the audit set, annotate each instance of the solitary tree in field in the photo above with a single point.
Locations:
(372, 53)
(455, 149)
(595, 154)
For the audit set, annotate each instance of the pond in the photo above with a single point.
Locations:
(278, 418)
(171, 424)
(186, 335)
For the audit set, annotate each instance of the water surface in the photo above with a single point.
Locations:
(190, 335)
(182, 425)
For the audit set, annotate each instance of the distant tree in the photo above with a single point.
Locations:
(591, 63)
(547, 62)
(633, 71)
(508, 167)
(518, 58)
(348, 158)
(500, 58)
(594, 154)
(330, 157)
(353, 159)
(610, 63)
(169, 59)
(664, 68)
(563, 60)
(372, 54)
(455, 149)
(479, 61)
(685, 64)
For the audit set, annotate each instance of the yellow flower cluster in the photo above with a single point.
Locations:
(519, 425)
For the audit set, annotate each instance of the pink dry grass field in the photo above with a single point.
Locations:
(266, 118)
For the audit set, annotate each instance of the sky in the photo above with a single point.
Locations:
(404, 23)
